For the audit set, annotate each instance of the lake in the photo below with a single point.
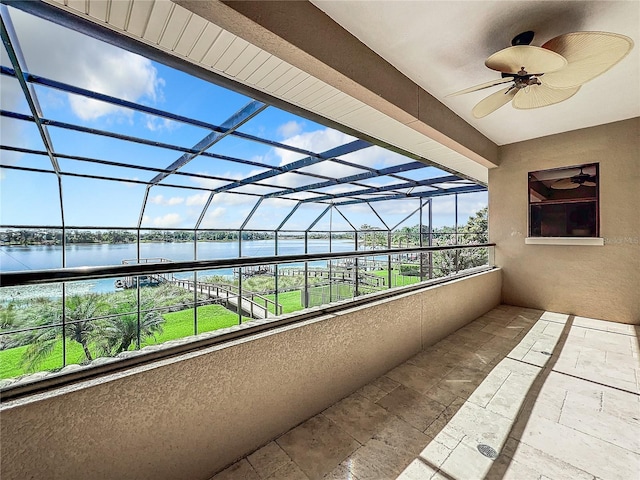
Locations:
(38, 257)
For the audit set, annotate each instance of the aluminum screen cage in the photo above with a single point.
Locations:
(79, 153)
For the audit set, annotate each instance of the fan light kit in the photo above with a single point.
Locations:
(542, 76)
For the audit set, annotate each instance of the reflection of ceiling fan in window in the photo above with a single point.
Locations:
(581, 179)
(541, 76)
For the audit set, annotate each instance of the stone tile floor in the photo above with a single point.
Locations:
(543, 395)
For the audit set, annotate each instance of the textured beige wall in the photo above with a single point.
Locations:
(449, 308)
(190, 416)
(601, 282)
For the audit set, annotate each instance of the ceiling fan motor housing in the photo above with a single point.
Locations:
(524, 38)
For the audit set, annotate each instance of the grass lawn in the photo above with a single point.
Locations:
(10, 359)
(180, 324)
(177, 325)
(290, 301)
(397, 280)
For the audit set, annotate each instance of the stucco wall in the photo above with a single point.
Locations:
(601, 282)
(189, 416)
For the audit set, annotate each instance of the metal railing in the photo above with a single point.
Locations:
(34, 277)
(348, 276)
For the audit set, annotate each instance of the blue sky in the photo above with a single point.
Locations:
(29, 198)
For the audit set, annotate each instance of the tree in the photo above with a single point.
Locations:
(373, 237)
(118, 333)
(477, 228)
(80, 312)
(408, 235)
(474, 231)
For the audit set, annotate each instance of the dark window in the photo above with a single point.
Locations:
(563, 202)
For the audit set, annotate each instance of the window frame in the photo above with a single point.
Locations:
(563, 201)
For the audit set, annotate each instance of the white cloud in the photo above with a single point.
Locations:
(175, 201)
(376, 157)
(132, 184)
(213, 183)
(70, 57)
(316, 141)
(223, 198)
(169, 202)
(209, 183)
(222, 217)
(170, 220)
(326, 139)
(344, 188)
(229, 199)
(470, 203)
(211, 219)
(198, 199)
(156, 199)
(156, 124)
(267, 159)
(289, 129)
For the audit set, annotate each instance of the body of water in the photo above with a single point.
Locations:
(39, 257)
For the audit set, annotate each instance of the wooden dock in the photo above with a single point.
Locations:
(337, 275)
(251, 304)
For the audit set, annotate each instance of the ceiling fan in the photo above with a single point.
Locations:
(574, 182)
(564, 63)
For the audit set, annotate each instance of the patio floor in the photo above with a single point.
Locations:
(516, 394)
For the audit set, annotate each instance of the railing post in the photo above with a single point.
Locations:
(195, 289)
(389, 277)
(456, 255)
(306, 271)
(356, 268)
(275, 276)
(430, 238)
(420, 242)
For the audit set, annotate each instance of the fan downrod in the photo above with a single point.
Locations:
(524, 38)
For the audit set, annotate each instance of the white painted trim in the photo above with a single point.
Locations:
(586, 241)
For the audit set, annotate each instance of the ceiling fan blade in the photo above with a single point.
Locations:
(493, 102)
(564, 184)
(533, 59)
(482, 86)
(536, 96)
(588, 54)
(589, 184)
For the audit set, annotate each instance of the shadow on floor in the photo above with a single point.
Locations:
(518, 393)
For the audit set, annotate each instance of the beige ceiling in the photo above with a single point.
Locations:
(442, 45)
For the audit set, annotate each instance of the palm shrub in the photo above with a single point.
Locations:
(120, 330)
(118, 333)
(80, 326)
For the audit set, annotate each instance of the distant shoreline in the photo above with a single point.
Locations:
(46, 244)
(142, 240)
